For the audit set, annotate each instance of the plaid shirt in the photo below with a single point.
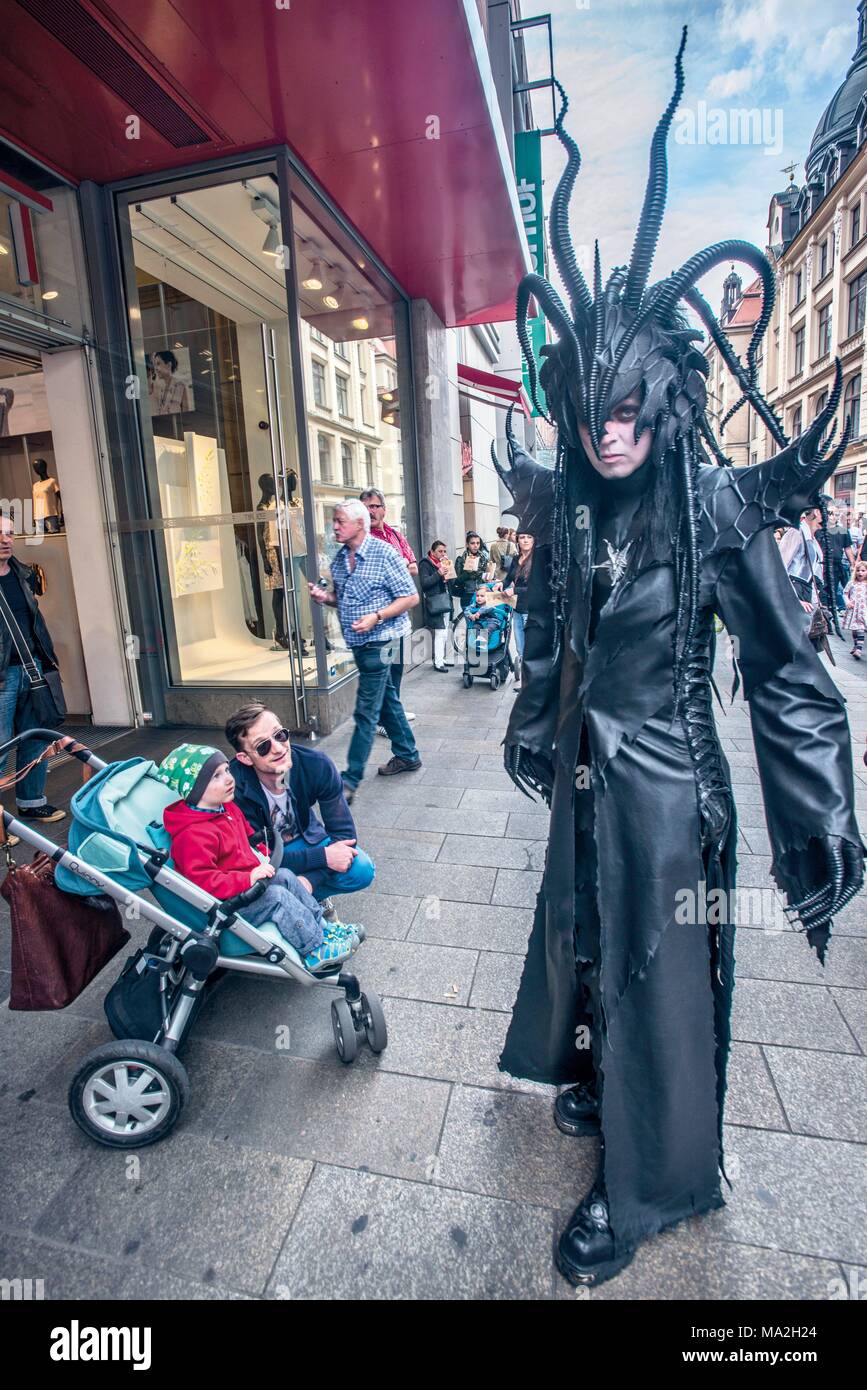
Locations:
(380, 576)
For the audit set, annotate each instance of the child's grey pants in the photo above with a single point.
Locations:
(295, 913)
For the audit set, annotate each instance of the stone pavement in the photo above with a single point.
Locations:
(425, 1173)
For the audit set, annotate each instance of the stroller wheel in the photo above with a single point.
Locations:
(374, 1022)
(129, 1093)
(468, 680)
(495, 680)
(343, 1023)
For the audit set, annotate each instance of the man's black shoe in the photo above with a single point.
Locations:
(348, 791)
(585, 1251)
(44, 813)
(396, 765)
(576, 1111)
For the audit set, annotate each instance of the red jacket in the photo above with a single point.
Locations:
(212, 849)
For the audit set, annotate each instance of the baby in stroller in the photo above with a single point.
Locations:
(211, 846)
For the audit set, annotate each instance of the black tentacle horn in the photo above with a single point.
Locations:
(558, 218)
(530, 483)
(650, 221)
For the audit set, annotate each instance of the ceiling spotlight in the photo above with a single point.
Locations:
(314, 280)
(387, 396)
(361, 323)
(332, 299)
(271, 245)
(4, 250)
(50, 294)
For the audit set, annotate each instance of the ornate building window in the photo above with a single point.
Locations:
(799, 350)
(824, 330)
(852, 405)
(857, 297)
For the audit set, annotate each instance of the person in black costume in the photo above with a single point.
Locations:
(644, 532)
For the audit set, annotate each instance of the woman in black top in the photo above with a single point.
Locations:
(434, 572)
(516, 583)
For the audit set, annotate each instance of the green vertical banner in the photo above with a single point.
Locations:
(528, 174)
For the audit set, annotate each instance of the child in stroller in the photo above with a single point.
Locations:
(489, 627)
(211, 842)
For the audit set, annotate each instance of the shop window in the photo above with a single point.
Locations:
(210, 331)
(344, 297)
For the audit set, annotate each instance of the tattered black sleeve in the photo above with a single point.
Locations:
(799, 724)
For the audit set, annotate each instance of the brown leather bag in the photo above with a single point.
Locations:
(59, 942)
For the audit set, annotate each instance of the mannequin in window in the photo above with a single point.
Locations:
(269, 548)
(47, 505)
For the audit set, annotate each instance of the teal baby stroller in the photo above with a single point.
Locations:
(131, 1092)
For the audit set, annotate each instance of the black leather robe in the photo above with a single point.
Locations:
(605, 948)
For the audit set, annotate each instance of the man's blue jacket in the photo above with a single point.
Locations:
(313, 779)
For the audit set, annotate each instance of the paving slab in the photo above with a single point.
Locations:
(487, 850)
(516, 888)
(481, 927)
(496, 981)
(822, 1095)
(792, 1193)
(505, 1144)
(236, 1202)
(357, 1236)
(448, 882)
(852, 1004)
(751, 1098)
(766, 1011)
(359, 1117)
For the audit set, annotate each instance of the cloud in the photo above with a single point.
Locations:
(733, 83)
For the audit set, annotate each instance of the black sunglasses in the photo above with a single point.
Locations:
(264, 748)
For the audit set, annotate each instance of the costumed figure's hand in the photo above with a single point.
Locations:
(835, 869)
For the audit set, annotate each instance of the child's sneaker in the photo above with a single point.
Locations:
(341, 931)
(328, 956)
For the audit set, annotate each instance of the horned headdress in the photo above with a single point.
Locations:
(627, 335)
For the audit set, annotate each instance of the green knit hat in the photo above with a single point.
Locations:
(189, 768)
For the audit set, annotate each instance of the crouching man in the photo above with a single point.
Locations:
(278, 786)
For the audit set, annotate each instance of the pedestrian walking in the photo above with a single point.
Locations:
(502, 553)
(470, 569)
(517, 582)
(435, 573)
(375, 503)
(855, 598)
(373, 593)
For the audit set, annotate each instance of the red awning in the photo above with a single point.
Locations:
(502, 389)
(391, 105)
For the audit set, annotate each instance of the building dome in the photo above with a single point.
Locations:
(838, 122)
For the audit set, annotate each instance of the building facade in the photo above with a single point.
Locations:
(817, 238)
(252, 294)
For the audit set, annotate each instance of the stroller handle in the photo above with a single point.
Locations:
(75, 750)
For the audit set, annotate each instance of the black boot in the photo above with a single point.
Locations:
(576, 1111)
(585, 1251)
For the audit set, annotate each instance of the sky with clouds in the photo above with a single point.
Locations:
(784, 58)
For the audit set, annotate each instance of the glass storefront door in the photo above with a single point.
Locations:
(208, 318)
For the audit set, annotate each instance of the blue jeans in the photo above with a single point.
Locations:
(518, 621)
(295, 914)
(376, 703)
(360, 873)
(31, 789)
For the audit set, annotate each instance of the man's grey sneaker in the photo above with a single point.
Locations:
(395, 765)
(44, 814)
(348, 792)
